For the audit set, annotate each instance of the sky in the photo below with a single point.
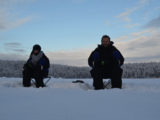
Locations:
(69, 30)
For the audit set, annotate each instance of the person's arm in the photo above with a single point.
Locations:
(45, 64)
(93, 58)
(117, 54)
(28, 63)
(90, 60)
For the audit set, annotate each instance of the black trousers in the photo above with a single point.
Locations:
(28, 74)
(114, 73)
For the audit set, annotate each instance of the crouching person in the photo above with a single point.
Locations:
(105, 61)
(36, 67)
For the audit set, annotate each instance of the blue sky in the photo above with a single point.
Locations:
(68, 30)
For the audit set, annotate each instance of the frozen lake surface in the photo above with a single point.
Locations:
(63, 100)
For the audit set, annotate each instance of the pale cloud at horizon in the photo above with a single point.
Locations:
(14, 47)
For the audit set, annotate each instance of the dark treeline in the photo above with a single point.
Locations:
(131, 70)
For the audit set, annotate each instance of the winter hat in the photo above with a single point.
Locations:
(37, 47)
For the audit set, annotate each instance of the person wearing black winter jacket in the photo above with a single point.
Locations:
(106, 61)
(37, 67)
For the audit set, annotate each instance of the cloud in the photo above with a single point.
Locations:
(14, 47)
(133, 35)
(141, 47)
(121, 38)
(13, 51)
(19, 50)
(154, 23)
(125, 16)
(142, 59)
(14, 23)
(8, 18)
(143, 2)
(13, 44)
(132, 25)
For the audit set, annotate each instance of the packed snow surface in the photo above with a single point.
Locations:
(63, 100)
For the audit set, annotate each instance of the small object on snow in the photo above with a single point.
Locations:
(78, 81)
(83, 85)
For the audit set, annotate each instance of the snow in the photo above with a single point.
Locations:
(63, 100)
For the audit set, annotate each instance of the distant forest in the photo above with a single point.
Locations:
(130, 70)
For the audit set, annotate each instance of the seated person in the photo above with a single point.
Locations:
(105, 61)
(36, 67)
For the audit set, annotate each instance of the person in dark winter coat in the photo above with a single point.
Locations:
(106, 61)
(36, 67)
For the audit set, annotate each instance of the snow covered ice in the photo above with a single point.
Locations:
(63, 100)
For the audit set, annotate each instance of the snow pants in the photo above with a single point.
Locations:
(115, 74)
(29, 74)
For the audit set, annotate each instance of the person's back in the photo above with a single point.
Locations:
(106, 61)
(37, 67)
